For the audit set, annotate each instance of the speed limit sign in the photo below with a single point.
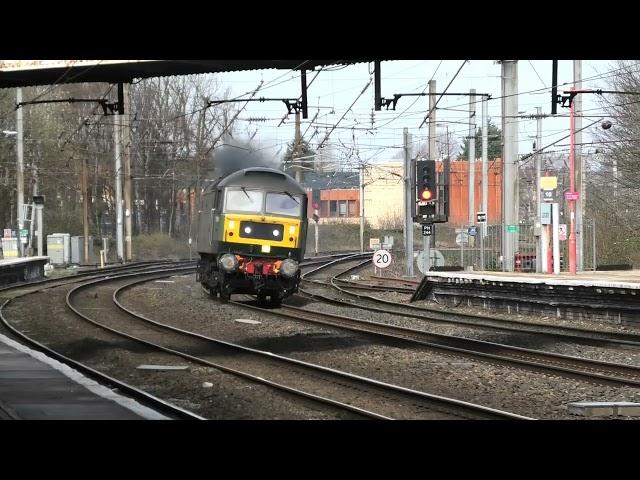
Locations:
(381, 258)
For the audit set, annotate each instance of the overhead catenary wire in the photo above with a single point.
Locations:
(442, 94)
(341, 127)
(336, 124)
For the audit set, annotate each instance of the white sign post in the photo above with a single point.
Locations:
(555, 214)
(381, 259)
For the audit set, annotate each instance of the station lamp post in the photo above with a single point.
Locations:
(572, 195)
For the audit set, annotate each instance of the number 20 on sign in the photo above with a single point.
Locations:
(381, 258)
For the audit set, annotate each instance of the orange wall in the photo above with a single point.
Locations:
(340, 194)
(459, 191)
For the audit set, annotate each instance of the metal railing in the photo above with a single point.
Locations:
(468, 253)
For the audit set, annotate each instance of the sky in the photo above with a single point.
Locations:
(336, 88)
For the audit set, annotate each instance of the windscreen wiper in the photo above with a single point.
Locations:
(245, 192)
(292, 197)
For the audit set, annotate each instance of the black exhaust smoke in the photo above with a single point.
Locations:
(233, 156)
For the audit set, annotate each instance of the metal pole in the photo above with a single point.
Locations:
(555, 214)
(20, 171)
(539, 256)
(432, 120)
(296, 150)
(485, 176)
(408, 219)
(579, 166)
(544, 246)
(361, 207)
(593, 222)
(118, 177)
(572, 202)
(426, 241)
(34, 220)
(85, 209)
(40, 229)
(472, 156)
(126, 142)
(510, 194)
(549, 238)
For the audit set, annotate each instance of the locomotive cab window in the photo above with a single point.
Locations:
(283, 204)
(243, 200)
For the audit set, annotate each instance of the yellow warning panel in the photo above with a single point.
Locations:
(548, 183)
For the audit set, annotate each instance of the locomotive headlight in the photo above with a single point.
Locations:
(228, 262)
(289, 268)
(247, 230)
(292, 229)
(276, 233)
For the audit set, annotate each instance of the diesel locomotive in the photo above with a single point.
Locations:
(251, 236)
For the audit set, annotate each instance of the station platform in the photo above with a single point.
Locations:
(603, 296)
(609, 279)
(36, 387)
(23, 269)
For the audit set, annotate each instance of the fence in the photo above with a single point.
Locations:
(468, 252)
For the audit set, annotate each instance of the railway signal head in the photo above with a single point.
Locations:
(426, 180)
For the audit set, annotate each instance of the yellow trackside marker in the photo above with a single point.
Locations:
(266, 248)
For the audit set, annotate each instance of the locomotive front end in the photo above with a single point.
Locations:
(259, 233)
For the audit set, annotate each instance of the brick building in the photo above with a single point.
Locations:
(459, 191)
(383, 196)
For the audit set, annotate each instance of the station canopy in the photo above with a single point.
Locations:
(26, 73)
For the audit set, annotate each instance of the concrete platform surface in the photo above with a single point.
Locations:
(36, 387)
(17, 261)
(611, 279)
(605, 409)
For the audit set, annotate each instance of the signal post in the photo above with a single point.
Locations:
(432, 193)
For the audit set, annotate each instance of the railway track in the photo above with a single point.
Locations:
(324, 385)
(15, 292)
(333, 387)
(573, 334)
(547, 362)
(592, 370)
(93, 273)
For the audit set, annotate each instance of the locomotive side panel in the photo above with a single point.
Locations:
(205, 222)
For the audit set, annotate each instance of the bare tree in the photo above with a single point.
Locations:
(613, 189)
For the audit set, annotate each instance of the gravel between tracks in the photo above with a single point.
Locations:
(619, 354)
(183, 304)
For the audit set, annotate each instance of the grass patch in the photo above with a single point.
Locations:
(159, 246)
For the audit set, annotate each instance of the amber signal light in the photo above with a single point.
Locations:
(426, 195)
